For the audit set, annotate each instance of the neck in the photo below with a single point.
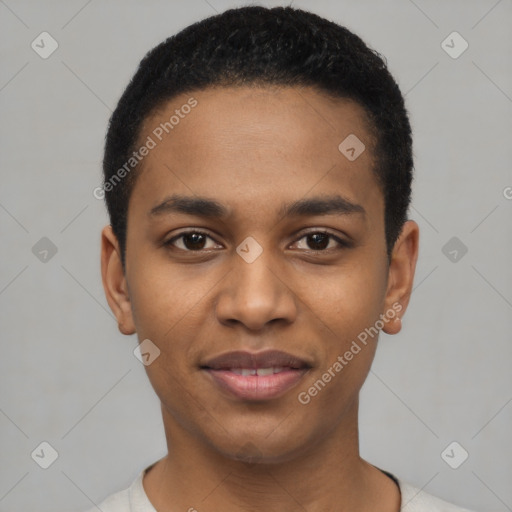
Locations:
(330, 475)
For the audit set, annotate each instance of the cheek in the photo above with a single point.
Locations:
(161, 295)
(346, 309)
(347, 332)
(171, 307)
(348, 299)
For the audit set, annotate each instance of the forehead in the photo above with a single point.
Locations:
(250, 146)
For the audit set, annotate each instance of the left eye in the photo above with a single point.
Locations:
(320, 241)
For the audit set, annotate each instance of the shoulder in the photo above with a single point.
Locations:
(132, 499)
(416, 500)
(118, 502)
(135, 499)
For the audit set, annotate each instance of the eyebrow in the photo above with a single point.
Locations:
(211, 209)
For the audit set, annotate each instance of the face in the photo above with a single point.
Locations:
(251, 232)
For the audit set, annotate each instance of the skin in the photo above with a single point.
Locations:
(253, 149)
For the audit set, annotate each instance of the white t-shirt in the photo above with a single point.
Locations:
(135, 499)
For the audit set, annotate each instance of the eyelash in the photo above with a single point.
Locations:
(342, 243)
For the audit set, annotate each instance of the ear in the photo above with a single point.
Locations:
(114, 281)
(401, 275)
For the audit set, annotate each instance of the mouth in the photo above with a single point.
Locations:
(256, 376)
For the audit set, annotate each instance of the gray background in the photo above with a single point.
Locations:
(68, 377)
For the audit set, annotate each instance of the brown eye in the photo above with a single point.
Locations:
(321, 241)
(191, 241)
(317, 241)
(194, 241)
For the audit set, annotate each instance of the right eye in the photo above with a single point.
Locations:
(191, 241)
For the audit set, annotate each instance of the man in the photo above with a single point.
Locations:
(258, 174)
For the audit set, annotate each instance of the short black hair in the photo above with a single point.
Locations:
(258, 46)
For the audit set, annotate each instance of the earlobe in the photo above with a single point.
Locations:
(114, 281)
(393, 326)
(401, 274)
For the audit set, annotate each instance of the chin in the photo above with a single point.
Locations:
(260, 448)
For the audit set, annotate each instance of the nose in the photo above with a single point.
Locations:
(255, 295)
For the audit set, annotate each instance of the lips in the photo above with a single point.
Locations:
(256, 376)
(267, 359)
